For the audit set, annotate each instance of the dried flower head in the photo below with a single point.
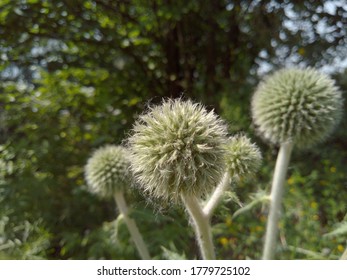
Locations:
(243, 158)
(302, 106)
(107, 170)
(178, 147)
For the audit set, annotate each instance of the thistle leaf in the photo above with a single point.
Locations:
(232, 196)
(172, 255)
(341, 229)
(258, 198)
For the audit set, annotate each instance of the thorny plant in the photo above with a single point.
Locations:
(179, 152)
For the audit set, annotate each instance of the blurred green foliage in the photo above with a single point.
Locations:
(75, 74)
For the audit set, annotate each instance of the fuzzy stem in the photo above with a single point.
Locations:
(276, 199)
(344, 255)
(134, 231)
(217, 195)
(202, 228)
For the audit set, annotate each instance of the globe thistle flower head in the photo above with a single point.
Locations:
(243, 158)
(107, 170)
(302, 106)
(177, 147)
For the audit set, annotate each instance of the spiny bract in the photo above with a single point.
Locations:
(243, 158)
(302, 106)
(107, 170)
(178, 147)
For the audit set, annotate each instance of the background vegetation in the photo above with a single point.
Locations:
(74, 75)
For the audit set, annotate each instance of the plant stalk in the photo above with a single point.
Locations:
(276, 196)
(217, 195)
(201, 225)
(132, 227)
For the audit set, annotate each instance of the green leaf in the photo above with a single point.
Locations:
(172, 255)
(116, 224)
(134, 33)
(309, 253)
(341, 229)
(232, 196)
(258, 198)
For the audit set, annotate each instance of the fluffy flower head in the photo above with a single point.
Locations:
(302, 106)
(243, 158)
(178, 147)
(107, 170)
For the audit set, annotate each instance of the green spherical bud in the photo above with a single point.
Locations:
(107, 170)
(243, 158)
(302, 106)
(178, 147)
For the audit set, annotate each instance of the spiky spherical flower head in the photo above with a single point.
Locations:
(107, 170)
(178, 147)
(243, 158)
(298, 105)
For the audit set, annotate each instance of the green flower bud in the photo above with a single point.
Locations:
(302, 106)
(177, 148)
(243, 158)
(107, 170)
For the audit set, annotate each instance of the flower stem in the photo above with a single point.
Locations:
(134, 231)
(276, 199)
(217, 195)
(202, 228)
